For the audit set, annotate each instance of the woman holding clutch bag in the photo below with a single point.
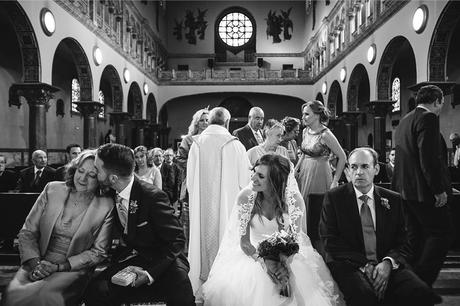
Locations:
(66, 234)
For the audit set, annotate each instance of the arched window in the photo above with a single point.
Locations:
(75, 94)
(235, 29)
(396, 94)
(101, 100)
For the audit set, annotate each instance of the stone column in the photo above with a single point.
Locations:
(351, 127)
(139, 124)
(89, 110)
(380, 109)
(37, 96)
(119, 119)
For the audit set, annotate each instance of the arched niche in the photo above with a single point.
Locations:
(398, 61)
(358, 98)
(238, 107)
(335, 100)
(135, 101)
(151, 109)
(110, 85)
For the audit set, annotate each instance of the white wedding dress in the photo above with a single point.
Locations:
(236, 279)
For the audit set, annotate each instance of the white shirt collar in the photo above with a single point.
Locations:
(424, 107)
(370, 202)
(36, 169)
(126, 193)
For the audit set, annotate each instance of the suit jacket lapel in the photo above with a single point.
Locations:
(133, 207)
(380, 221)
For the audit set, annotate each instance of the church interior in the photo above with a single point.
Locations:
(71, 71)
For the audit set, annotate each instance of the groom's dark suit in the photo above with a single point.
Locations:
(342, 235)
(157, 237)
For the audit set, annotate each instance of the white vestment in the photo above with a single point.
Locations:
(217, 169)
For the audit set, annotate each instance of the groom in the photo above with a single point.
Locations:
(367, 247)
(152, 237)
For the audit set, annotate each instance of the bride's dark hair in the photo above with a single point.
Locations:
(278, 172)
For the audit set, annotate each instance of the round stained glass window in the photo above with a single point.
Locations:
(235, 29)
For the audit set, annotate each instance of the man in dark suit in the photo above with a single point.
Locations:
(421, 176)
(72, 151)
(8, 178)
(152, 237)
(170, 175)
(367, 247)
(35, 178)
(250, 135)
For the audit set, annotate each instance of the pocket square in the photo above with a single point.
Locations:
(142, 224)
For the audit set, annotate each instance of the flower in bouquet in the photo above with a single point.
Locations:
(278, 247)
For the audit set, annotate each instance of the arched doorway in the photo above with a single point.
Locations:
(135, 112)
(239, 110)
(397, 70)
(111, 95)
(358, 97)
(444, 63)
(335, 100)
(72, 73)
(151, 134)
(19, 63)
(319, 97)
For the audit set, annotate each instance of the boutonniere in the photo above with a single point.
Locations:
(385, 203)
(133, 207)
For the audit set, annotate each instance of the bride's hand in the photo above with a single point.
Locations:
(277, 271)
(247, 247)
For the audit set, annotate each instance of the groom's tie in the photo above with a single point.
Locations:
(122, 213)
(370, 240)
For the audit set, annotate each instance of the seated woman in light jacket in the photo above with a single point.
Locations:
(67, 233)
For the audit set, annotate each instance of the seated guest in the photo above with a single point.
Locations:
(366, 243)
(144, 172)
(152, 235)
(72, 151)
(8, 178)
(390, 166)
(170, 175)
(66, 234)
(35, 178)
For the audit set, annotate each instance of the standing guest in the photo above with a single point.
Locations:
(273, 131)
(35, 178)
(313, 171)
(143, 172)
(156, 155)
(218, 168)
(170, 175)
(422, 178)
(8, 178)
(72, 151)
(109, 138)
(455, 139)
(197, 126)
(291, 132)
(250, 135)
(390, 166)
(367, 246)
(152, 238)
(66, 234)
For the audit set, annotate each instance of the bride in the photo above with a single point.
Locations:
(239, 277)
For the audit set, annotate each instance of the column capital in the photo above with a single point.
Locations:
(34, 93)
(119, 117)
(89, 108)
(139, 123)
(381, 108)
(351, 116)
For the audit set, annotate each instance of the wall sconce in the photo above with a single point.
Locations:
(47, 21)
(343, 74)
(97, 56)
(146, 88)
(371, 54)
(126, 75)
(420, 19)
(324, 88)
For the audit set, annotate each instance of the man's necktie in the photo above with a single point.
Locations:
(370, 240)
(122, 212)
(37, 177)
(258, 137)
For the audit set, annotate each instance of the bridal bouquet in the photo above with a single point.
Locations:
(278, 247)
